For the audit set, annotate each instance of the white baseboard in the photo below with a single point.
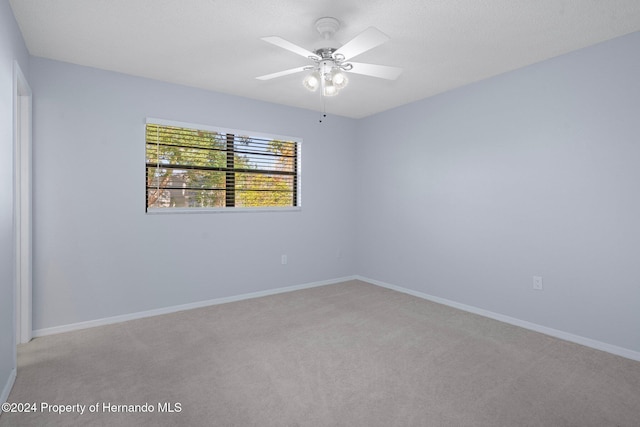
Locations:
(588, 342)
(7, 387)
(181, 307)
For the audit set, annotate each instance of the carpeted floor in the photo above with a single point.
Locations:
(351, 354)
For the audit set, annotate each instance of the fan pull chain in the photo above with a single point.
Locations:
(324, 104)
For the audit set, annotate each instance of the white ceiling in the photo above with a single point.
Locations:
(215, 44)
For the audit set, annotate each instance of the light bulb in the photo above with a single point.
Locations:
(312, 81)
(329, 89)
(339, 79)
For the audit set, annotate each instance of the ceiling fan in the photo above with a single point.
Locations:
(329, 64)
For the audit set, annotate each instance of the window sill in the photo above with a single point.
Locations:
(168, 211)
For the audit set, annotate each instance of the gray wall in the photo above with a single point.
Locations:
(467, 195)
(11, 48)
(97, 254)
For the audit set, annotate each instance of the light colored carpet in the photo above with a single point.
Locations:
(351, 354)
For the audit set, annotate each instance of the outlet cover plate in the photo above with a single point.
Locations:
(537, 283)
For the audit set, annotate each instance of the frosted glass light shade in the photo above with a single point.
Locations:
(339, 79)
(329, 89)
(312, 81)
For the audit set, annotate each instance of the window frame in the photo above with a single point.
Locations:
(226, 209)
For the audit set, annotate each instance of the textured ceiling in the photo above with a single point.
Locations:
(215, 44)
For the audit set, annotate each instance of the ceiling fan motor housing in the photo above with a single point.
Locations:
(325, 52)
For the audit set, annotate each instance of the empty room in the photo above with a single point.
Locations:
(320, 213)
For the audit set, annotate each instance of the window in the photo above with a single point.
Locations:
(191, 167)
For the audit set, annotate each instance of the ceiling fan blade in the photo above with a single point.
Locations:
(281, 73)
(380, 71)
(366, 40)
(280, 42)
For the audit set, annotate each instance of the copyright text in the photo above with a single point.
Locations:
(98, 407)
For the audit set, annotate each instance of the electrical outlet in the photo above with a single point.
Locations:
(537, 283)
(283, 259)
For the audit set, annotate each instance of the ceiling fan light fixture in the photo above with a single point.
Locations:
(329, 75)
(329, 89)
(338, 78)
(312, 81)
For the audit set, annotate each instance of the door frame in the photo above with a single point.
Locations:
(22, 149)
